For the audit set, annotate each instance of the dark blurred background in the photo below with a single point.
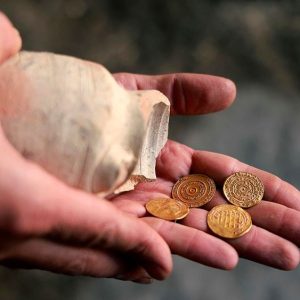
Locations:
(255, 43)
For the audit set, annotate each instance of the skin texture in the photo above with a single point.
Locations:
(47, 225)
(10, 40)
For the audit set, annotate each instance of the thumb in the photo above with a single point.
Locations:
(43, 206)
(10, 40)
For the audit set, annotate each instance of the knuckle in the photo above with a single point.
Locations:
(277, 186)
(233, 165)
(78, 265)
(288, 257)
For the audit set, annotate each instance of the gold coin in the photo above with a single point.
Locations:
(229, 221)
(167, 209)
(243, 189)
(194, 190)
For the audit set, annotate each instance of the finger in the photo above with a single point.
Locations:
(189, 94)
(278, 219)
(116, 231)
(74, 217)
(10, 40)
(219, 167)
(179, 234)
(49, 256)
(132, 207)
(262, 246)
(195, 245)
(258, 244)
(174, 161)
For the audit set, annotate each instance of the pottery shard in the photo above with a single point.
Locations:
(74, 120)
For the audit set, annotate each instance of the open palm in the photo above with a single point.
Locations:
(275, 236)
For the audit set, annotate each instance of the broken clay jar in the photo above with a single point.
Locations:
(73, 119)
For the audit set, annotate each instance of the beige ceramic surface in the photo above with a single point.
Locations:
(73, 119)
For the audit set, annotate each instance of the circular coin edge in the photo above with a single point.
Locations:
(247, 229)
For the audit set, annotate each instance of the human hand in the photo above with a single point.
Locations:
(47, 225)
(275, 236)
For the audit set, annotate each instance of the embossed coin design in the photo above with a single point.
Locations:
(167, 209)
(195, 190)
(243, 189)
(229, 221)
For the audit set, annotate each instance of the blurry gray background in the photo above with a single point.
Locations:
(255, 43)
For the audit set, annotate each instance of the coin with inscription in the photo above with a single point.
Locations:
(243, 189)
(167, 209)
(229, 221)
(195, 190)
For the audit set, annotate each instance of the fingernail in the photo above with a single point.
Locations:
(144, 280)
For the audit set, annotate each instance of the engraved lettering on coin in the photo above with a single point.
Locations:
(167, 209)
(243, 189)
(229, 221)
(194, 190)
